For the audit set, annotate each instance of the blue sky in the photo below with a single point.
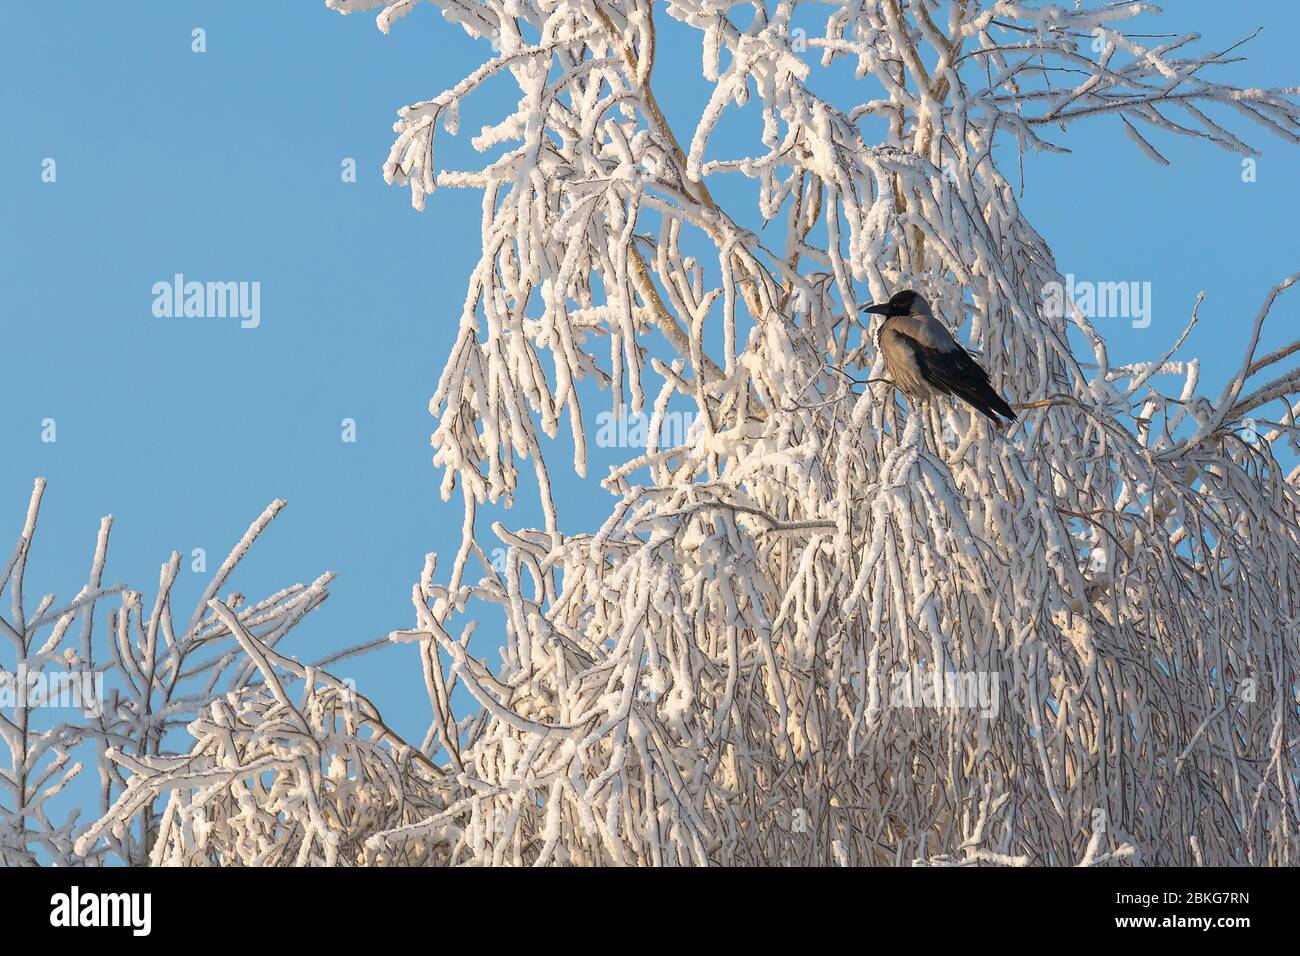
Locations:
(226, 166)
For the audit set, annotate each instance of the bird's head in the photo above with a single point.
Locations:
(906, 302)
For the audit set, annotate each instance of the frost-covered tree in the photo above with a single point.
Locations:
(709, 675)
(714, 673)
(255, 778)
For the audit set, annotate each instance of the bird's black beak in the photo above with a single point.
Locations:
(880, 308)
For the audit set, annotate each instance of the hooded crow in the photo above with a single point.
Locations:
(922, 357)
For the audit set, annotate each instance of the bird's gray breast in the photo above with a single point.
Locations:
(899, 337)
(901, 362)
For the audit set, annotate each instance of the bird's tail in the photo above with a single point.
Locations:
(983, 398)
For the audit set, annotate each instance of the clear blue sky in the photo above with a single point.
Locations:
(226, 166)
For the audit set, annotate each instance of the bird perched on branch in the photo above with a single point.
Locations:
(922, 357)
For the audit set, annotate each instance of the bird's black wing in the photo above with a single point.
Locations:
(955, 372)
